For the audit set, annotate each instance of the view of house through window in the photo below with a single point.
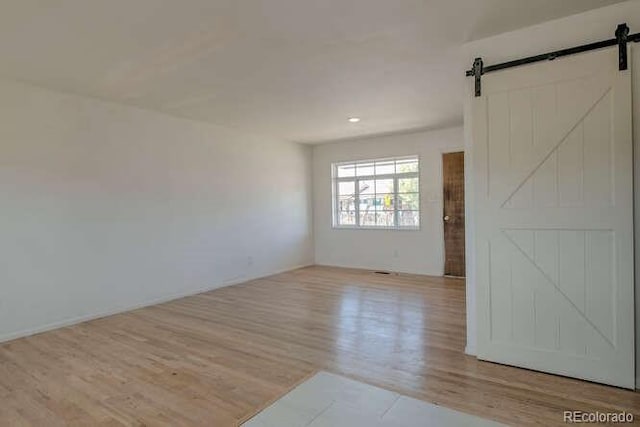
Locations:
(382, 193)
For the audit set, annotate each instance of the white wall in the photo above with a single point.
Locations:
(419, 252)
(106, 207)
(578, 29)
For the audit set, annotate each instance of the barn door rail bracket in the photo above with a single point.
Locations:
(622, 37)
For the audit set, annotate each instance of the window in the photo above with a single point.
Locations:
(382, 193)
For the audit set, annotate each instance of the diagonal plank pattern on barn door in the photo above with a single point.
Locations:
(586, 147)
(579, 288)
(552, 161)
(543, 126)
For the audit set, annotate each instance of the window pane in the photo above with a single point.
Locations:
(388, 201)
(347, 203)
(367, 202)
(408, 185)
(346, 170)
(409, 202)
(365, 169)
(406, 165)
(367, 187)
(385, 219)
(384, 185)
(346, 188)
(384, 202)
(346, 218)
(408, 218)
(385, 167)
(367, 219)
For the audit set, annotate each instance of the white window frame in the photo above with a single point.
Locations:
(335, 180)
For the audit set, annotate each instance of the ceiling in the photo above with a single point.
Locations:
(291, 69)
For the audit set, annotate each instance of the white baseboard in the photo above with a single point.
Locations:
(155, 301)
(369, 268)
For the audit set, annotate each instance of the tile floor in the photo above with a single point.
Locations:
(328, 400)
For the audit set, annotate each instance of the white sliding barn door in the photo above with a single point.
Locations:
(552, 161)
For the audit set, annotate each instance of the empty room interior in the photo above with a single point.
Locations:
(291, 213)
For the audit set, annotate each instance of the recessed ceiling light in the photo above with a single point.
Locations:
(354, 119)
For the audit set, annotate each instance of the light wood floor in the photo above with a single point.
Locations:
(216, 358)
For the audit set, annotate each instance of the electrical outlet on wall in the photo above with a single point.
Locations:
(395, 253)
(249, 261)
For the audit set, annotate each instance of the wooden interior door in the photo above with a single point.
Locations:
(453, 213)
(553, 181)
